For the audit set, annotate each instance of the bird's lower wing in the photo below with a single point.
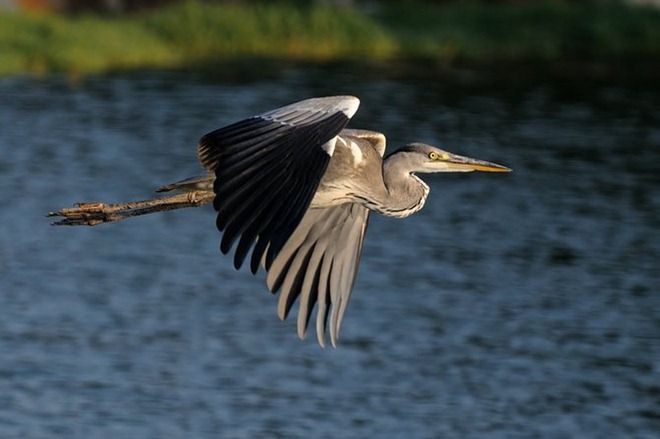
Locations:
(318, 264)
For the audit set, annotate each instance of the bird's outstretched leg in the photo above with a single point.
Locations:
(92, 214)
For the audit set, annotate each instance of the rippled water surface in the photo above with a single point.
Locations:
(520, 305)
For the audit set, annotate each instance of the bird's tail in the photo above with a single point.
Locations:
(200, 182)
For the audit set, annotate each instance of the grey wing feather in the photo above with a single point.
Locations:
(267, 171)
(319, 264)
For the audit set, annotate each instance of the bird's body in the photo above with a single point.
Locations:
(295, 188)
(357, 174)
(358, 155)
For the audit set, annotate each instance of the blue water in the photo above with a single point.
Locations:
(524, 305)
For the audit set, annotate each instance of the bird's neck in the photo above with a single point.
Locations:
(405, 192)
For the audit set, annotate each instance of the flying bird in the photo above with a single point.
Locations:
(293, 191)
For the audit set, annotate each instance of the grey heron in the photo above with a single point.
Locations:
(295, 187)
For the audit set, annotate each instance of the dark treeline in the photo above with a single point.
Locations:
(128, 6)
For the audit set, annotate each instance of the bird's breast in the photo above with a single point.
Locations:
(330, 195)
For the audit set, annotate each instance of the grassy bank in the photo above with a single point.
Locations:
(196, 33)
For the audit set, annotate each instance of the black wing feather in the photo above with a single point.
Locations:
(267, 172)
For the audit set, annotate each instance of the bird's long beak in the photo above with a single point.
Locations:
(467, 164)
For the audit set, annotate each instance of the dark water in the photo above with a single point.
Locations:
(513, 306)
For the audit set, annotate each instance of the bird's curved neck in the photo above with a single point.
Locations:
(406, 193)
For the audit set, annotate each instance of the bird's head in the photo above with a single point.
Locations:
(421, 157)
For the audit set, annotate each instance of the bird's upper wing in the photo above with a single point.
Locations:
(267, 170)
(376, 139)
(320, 260)
(318, 264)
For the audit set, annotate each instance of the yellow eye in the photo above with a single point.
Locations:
(434, 155)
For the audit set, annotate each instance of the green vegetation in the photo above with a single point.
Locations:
(552, 31)
(196, 33)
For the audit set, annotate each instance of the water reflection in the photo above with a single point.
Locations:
(515, 306)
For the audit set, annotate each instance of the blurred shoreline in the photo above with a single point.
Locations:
(589, 40)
